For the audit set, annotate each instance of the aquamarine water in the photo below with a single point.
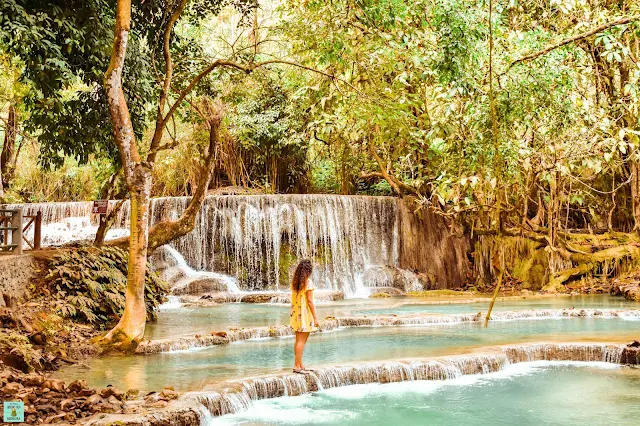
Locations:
(193, 369)
(198, 320)
(576, 302)
(539, 393)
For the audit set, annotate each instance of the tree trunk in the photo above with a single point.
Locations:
(112, 190)
(106, 222)
(130, 329)
(164, 232)
(9, 153)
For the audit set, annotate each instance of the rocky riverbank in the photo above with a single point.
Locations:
(48, 400)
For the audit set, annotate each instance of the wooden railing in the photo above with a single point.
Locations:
(13, 229)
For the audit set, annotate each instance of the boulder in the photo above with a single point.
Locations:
(169, 394)
(54, 385)
(12, 388)
(112, 391)
(78, 385)
(201, 286)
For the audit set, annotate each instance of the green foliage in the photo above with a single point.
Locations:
(324, 177)
(269, 125)
(89, 284)
(20, 346)
(71, 181)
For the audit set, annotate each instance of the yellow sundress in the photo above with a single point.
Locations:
(301, 318)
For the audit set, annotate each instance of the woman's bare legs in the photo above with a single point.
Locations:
(298, 349)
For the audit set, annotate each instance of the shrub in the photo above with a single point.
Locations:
(89, 284)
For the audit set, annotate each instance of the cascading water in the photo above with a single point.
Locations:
(66, 222)
(174, 268)
(259, 239)
(248, 391)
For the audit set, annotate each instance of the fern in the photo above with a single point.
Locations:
(90, 284)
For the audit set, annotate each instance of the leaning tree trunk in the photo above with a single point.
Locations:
(130, 329)
(166, 231)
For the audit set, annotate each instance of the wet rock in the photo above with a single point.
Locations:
(132, 394)
(78, 385)
(385, 292)
(152, 397)
(33, 380)
(630, 290)
(67, 404)
(86, 392)
(105, 407)
(94, 399)
(114, 401)
(159, 404)
(132, 407)
(169, 394)
(258, 298)
(201, 286)
(634, 344)
(630, 355)
(112, 391)
(54, 385)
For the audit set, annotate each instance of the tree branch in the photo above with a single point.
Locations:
(244, 68)
(168, 75)
(598, 29)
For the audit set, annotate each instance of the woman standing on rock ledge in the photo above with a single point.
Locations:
(303, 311)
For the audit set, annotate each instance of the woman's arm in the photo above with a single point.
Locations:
(312, 307)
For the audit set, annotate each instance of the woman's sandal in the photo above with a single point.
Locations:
(300, 371)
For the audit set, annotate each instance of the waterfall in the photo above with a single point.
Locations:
(259, 239)
(66, 222)
(173, 268)
(238, 395)
(220, 403)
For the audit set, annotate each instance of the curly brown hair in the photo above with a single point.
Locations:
(301, 275)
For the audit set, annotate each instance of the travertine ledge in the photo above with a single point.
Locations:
(217, 338)
(237, 395)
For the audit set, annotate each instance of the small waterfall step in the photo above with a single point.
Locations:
(235, 396)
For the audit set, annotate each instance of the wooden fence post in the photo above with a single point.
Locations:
(37, 231)
(16, 233)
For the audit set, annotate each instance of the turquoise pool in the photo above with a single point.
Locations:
(193, 369)
(577, 302)
(539, 393)
(182, 321)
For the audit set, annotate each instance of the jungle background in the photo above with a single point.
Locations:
(517, 119)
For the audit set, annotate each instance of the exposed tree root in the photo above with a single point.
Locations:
(585, 252)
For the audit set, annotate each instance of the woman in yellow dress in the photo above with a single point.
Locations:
(303, 311)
